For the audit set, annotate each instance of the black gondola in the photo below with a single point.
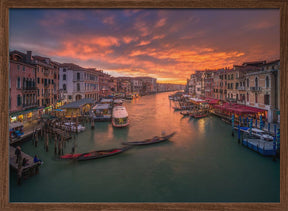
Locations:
(153, 140)
(101, 153)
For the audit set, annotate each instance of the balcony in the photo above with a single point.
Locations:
(46, 72)
(30, 88)
(255, 89)
(241, 88)
(27, 106)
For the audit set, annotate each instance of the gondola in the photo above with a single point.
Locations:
(198, 116)
(185, 113)
(70, 156)
(101, 153)
(153, 140)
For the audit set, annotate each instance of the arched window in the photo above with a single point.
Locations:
(78, 76)
(267, 82)
(64, 87)
(247, 82)
(18, 83)
(256, 82)
(64, 77)
(256, 98)
(19, 100)
(247, 96)
(24, 82)
(78, 87)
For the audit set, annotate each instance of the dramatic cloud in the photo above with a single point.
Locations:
(166, 44)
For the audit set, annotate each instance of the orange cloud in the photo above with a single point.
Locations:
(160, 23)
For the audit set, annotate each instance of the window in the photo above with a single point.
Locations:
(64, 87)
(256, 82)
(232, 76)
(228, 77)
(237, 97)
(38, 80)
(267, 99)
(64, 77)
(69, 97)
(231, 85)
(24, 83)
(18, 82)
(19, 100)
(64, 69)
(236, 86)
(78, 76)
(52, 81)
(247, 82)
(78, 87)
(23, 68)
(256, 98)
(247, 96)
(267, 82)
(38, 94)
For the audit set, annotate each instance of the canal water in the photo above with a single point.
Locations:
(201, 163)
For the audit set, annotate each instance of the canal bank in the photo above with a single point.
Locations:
(201, 163)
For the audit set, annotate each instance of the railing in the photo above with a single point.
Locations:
(30, 88)
(46, 72)
(241, 88)
(30, 105)
(255, 89)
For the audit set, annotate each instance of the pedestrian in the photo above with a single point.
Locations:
(18, 153)
(36, 159)
(25, 162)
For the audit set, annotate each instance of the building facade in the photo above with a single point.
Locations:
(77, 83)
(22, 87)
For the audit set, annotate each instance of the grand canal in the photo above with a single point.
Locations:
(201, 163)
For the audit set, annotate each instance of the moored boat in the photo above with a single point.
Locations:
(70, 156)
(120, 117)
(101, 153)
(101, 112)
(153, 140)
(16, 130)
(185, 112)
(200, 115)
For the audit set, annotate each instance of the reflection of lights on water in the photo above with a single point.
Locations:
(201, 128)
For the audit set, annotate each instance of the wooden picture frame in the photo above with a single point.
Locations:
(5, 5)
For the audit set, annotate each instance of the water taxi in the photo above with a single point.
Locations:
(118, 102)
(15, 130)
(120, 117)
(101, 112)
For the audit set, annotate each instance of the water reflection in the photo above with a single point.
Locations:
(190, 167)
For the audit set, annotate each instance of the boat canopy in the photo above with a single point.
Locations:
(120, 112)
(118, 101)
(238, 109)
(15, 124)
(257, 130)
(106, 100)
(101, 107)
(78, 104)
(197, 100)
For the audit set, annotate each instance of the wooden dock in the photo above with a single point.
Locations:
(27, 171)
(25, 137)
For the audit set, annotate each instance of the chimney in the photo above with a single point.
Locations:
(29, 56)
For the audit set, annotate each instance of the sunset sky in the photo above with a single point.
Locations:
(167, 44)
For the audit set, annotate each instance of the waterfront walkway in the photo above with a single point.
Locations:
(28, 170)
